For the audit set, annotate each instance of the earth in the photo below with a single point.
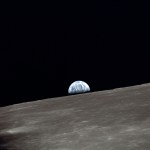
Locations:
(78, 87)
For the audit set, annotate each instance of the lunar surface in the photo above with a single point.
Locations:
(117, 119)
(78, 87)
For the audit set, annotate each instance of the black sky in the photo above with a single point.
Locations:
(106, 46)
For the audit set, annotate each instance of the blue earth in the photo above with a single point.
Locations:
(78, 87)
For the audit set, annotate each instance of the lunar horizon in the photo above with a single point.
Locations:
(117, 119)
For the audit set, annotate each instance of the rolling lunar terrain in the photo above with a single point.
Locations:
(117, 119)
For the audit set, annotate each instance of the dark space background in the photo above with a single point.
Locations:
(44, 49)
